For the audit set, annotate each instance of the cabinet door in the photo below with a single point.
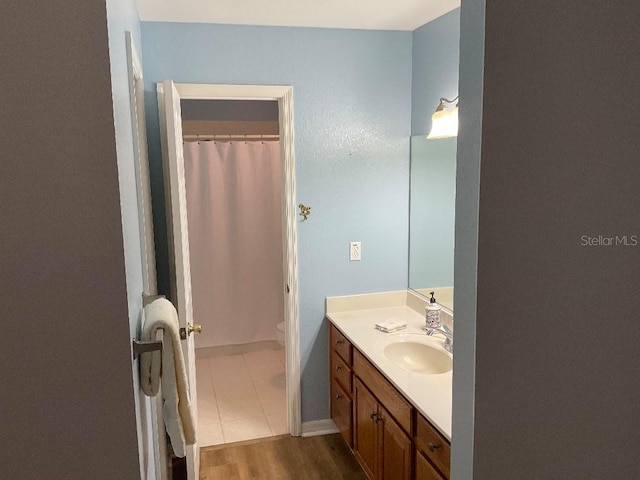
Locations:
(341, 411)
(394, 449)
(365, 429)
(424, 470)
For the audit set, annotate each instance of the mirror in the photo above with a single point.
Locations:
(432, 217)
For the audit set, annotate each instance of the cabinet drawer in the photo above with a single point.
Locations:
(424, 470)
(340, 344)
(433, 445)
(341, 372)
(384, 391)
(341, 411)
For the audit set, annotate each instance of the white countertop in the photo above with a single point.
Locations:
(430, 394)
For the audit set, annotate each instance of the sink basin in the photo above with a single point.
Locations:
(417, 357)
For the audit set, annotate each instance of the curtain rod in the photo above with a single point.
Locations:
(230, 138)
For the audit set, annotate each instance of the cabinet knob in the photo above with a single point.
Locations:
(433, 446)
(373, 416)
(338, 397)
(339, 342)
(338, 368)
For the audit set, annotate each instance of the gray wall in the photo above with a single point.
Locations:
(66, 403)
(466, 236)
(557, 385)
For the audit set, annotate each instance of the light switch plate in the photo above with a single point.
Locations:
(355, 251)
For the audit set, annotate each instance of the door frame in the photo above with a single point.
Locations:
(284, 96)
(147, 409)
(141, 160)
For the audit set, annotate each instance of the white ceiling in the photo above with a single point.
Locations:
(360, 14)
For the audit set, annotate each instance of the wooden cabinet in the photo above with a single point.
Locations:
(433, 446)
(390, 439)
(424, 470)
(341, 345)
(380, 445)
(341, 383)
(341, 372)
(383, 390)
(365, 441)
(395, 449)
(341, 411)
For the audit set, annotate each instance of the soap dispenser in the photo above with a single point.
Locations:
(432, 313)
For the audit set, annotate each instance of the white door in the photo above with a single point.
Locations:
(176, 205)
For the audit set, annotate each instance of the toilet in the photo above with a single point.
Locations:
(280, 333)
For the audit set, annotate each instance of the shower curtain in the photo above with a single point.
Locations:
(234, 214)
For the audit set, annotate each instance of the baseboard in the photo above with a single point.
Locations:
(319, 427)
(239, 349)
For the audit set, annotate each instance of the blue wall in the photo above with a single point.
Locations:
(352, 102)
(436, 57)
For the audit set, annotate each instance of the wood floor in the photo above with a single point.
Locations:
(325, 457)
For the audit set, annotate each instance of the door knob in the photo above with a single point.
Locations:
(189, 330)
(197, 328)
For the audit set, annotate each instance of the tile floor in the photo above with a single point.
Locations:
(241, 393)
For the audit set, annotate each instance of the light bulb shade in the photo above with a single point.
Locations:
(444, 124)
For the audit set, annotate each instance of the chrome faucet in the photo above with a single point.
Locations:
(446, 333)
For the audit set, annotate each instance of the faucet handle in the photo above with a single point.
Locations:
(445, 331)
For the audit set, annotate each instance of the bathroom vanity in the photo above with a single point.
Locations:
(393, 410)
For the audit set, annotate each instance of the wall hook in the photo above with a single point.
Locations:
(304, 211)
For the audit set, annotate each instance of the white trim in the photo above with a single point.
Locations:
(284, 96)
(198, 91)
(319, 427)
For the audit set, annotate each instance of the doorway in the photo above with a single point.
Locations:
(233, 181)
(169, 98)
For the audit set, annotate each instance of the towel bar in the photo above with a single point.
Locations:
(142, 347)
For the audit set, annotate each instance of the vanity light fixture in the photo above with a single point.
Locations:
(444, 122)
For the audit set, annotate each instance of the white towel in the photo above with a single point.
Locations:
(177, 409)
(390, 326)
